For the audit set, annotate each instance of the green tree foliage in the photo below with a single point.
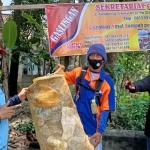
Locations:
(131, 111)
(131, 108)
(33, 38)
(9, 34)
(26, 126)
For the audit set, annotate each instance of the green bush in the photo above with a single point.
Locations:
(131, 111)
(26, 126)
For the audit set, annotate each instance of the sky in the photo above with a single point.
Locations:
(6, 3)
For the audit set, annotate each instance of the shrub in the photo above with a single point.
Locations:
(26, 126)
(131, 111)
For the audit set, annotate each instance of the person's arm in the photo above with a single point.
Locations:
(142, 85)
(17, 99)
(108, 98)
(103, 121)
(14, 100)
(111, 103)
(7, 112)
(71, 76)
(138, 86)
(107, 103)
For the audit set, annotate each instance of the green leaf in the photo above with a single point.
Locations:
(39, 27)
(9, 34)
(1, 73)
(14, 47)
(29, 18)
(34, 40)
(123, 108)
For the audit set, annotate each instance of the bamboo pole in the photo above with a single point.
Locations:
(22, 7)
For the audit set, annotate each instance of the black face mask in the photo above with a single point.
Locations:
(95, 64)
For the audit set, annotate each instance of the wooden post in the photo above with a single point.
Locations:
(1, 3)
(22, 7)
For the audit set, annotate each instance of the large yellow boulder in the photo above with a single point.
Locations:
(57, 124)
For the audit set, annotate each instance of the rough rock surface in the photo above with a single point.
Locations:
(57, 124)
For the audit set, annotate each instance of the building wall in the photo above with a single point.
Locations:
(26, 73)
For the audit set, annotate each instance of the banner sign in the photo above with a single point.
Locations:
(72, 28)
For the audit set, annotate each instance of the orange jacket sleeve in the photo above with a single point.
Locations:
(71, 76)
(104, 100)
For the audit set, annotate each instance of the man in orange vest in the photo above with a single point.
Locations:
(93, 110)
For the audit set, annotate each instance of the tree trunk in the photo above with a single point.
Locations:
(5, 73)
(15, 58)
(71, 62)
(82, 60)
(48, 66)
(1, 3)
(111, 59)
(4, 61)
(66, 61)
(39, 69)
